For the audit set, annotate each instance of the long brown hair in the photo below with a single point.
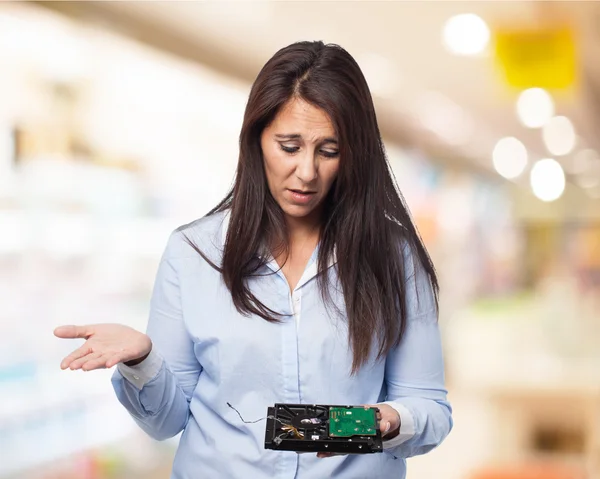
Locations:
(365, 218)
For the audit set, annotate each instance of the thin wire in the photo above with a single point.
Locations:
(286, 433)
(258, 420)
(243, 420)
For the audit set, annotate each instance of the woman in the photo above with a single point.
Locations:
(307, 284)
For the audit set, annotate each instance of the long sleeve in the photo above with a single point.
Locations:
(157, 392)
(414, 372)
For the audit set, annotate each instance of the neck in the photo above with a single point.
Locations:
(303, 229)
(302, 233)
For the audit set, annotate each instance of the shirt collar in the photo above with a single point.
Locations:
(311, 269)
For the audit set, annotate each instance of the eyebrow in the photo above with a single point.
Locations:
(297, 136)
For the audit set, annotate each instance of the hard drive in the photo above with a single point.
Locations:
(323, 428)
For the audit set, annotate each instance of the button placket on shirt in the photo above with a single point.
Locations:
(297, 305)
(288, 463)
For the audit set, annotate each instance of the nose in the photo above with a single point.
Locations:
(307, 167)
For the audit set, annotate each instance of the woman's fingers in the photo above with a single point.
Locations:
(78, 363)
(99, 361)
(73, 332)
(329, 454)
(114, 343)
(389, 419)
(96, 363)
(384, 424)
(75, 355)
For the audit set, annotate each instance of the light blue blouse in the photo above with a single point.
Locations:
(205, 354)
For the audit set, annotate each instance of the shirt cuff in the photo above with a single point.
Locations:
(407, 425)
(142, 373)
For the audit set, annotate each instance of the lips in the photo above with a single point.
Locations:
(301, 197)
(303, 192)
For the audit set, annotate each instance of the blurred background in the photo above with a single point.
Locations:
(119, 122)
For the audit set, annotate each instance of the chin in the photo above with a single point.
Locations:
(297, 211)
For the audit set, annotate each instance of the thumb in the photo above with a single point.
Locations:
(72, 332)
(385, 427)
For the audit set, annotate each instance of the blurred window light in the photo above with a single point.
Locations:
(465, 34)
(559, 135)
(535, 107)
(14, 236)
(509, 157)
(547, 179)
(53, 47)
(380, 73)
(67, 235)
(441, 115)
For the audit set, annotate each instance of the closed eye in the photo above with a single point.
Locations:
(294, 149)
(329, 154)
(289, 149)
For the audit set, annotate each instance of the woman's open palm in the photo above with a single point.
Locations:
(105, 346)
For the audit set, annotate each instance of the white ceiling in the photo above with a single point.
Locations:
(398, 44)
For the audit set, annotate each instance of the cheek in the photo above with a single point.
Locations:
(277, 164)
(275, 168)
(330, 173)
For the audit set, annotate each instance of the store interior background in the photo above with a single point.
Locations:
(119, 122)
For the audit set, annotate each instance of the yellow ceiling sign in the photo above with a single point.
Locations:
(544, 57)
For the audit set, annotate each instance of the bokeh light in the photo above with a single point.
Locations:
(547, 179)
(559, 136)
(465, 34)
(535, 107)
(509, 157)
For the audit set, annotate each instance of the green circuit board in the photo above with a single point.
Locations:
(354, 421)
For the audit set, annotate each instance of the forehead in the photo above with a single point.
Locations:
(303, 118)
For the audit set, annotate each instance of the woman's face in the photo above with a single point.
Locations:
(301, 158)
